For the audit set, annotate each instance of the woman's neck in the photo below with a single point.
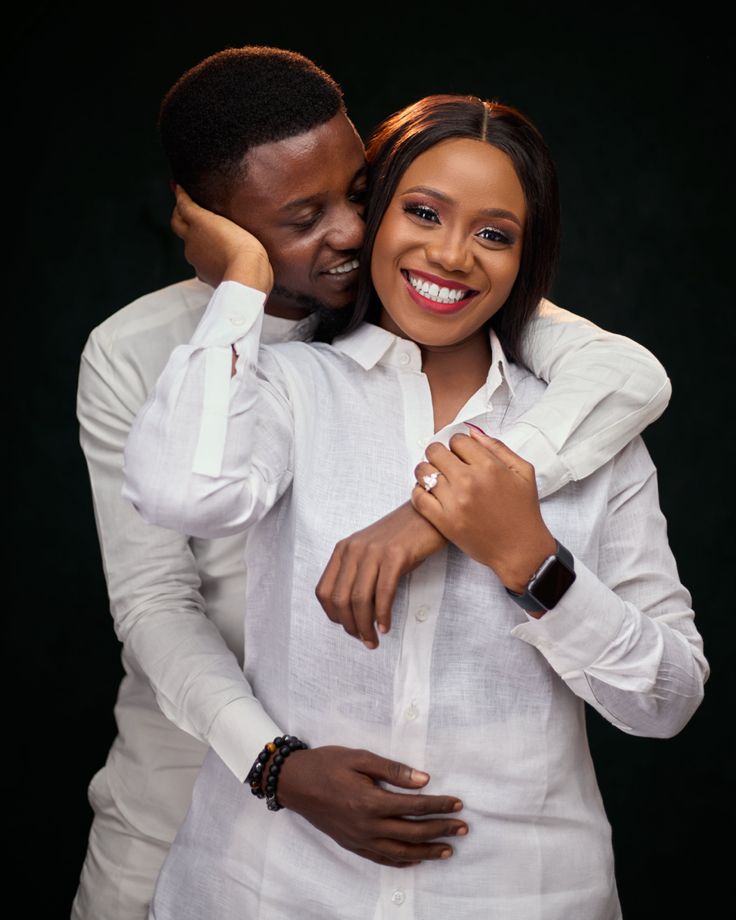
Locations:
(454, 372)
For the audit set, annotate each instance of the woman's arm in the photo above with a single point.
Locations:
(603, 390)
(209, 455)
(622, 639)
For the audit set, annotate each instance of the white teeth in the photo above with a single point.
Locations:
(435, 292)
(345, 267)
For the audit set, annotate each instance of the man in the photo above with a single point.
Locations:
(260, 135)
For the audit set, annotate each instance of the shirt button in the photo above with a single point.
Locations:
(411, 712)
(421, 613)
(398, 897)
(404, 358)
(237, 319)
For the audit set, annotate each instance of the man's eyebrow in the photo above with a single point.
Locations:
(313, 199)
(484, 212)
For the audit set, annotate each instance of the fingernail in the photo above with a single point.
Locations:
(369, 644)
(418, 776)
(471, 425)
(382, 629)
(458, 806)
(445, 854)
(461, 831)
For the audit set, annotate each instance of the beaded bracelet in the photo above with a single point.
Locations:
(282, 746)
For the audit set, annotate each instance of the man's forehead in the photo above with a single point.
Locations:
(302, 165)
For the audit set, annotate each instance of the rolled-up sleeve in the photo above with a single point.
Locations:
(624, 639)
(604, 389)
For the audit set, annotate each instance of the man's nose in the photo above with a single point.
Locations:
(348, 229)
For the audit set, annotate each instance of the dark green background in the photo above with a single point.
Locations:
(635, 107)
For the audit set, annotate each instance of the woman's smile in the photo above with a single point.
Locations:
(436, 294)
(448, 250)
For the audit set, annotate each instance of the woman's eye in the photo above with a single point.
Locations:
(422, 211)
(358, 195)
(494, 235)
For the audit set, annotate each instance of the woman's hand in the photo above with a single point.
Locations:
(485, 502)
(218, 249)
(358, 585)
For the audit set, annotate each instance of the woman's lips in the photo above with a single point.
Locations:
(436, 306)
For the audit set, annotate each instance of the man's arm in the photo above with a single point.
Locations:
(152, 578)
(604, 389)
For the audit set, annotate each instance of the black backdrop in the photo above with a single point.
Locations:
(635, 108)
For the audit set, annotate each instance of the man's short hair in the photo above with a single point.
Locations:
(233, 101)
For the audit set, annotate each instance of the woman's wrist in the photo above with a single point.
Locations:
(515, 572)
(251, 268)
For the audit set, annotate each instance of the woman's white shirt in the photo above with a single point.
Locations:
(310, 443)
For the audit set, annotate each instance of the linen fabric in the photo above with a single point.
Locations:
(309, 443)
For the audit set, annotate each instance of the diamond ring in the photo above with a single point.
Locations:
(430, 481)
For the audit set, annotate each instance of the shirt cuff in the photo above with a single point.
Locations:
(531, 444)
(239, 733)
(230, 315)
(580, 628)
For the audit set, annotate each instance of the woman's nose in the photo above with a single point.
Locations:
(451, 252)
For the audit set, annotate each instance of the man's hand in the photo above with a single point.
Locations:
(485, 502)
(358, 586)
(336, 789)
(218, 249)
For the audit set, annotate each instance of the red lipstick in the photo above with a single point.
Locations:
(433, 306)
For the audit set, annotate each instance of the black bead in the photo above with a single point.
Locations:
(278, 759)
(263, 756)
(284, 750)
(274, 769)
(278, 741)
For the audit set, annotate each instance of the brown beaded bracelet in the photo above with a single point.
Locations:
(281, 747)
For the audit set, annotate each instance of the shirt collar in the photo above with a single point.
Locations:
(369, 345)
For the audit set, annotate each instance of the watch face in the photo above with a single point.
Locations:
(551, 583)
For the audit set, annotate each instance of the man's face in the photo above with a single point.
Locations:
(303, 198)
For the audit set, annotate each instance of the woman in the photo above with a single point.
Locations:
(476, 693)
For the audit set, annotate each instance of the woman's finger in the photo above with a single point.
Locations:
(428, 506)
(445, 461)
(178, 224)
(432, 480)
(502, 453)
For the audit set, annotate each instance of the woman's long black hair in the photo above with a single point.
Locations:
(402, 137)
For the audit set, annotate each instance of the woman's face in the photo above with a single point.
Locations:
(449, 246)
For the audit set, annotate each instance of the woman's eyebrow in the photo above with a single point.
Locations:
(483, 212)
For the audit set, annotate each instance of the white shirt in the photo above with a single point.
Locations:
(310, 443)
(177, 603)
